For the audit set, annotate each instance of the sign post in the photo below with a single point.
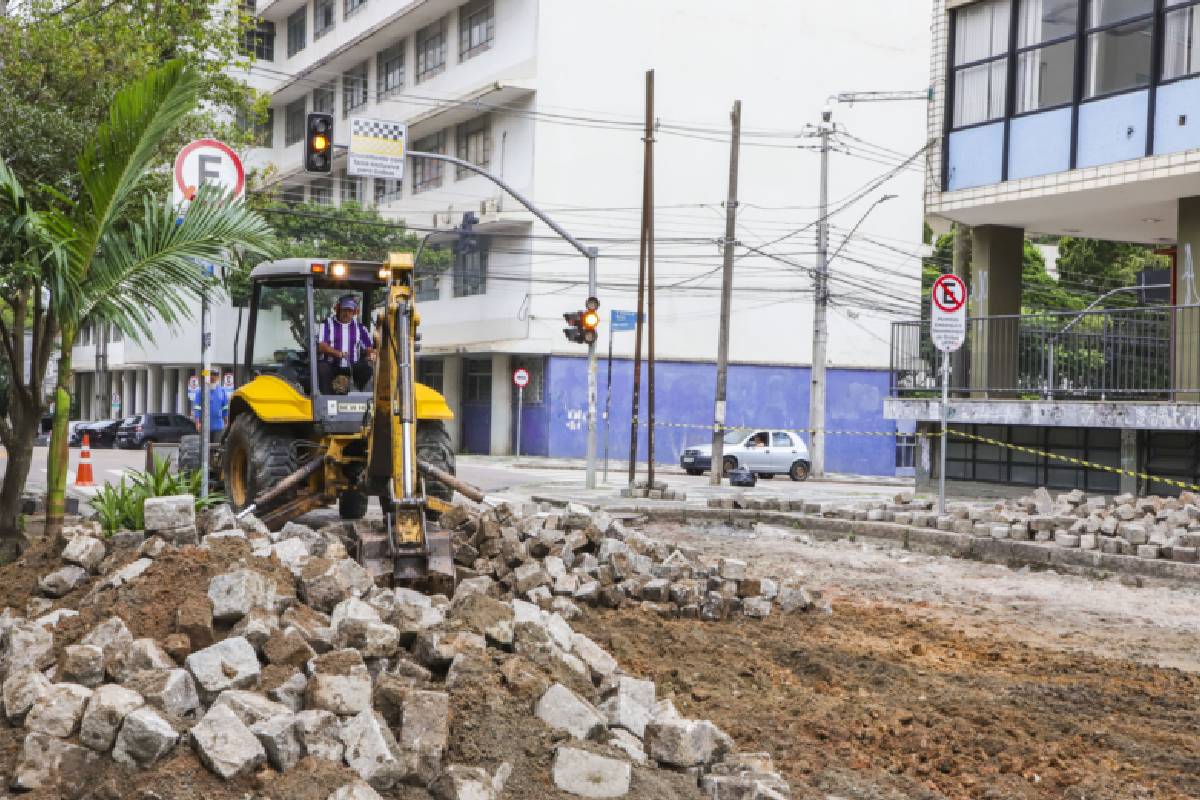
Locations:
(520, 380)
(617, 321)
(199, 162)
(948, 329)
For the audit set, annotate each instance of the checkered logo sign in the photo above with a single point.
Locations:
(377, 148)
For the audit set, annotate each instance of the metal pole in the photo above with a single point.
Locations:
(942, 449)
(590, 478)
(205, 390)
(520, 413)
(718, 435)
(641, 296)
(608, 397)
(650, 324)
(816, 402)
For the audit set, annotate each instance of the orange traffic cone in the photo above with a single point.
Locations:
(84, 476)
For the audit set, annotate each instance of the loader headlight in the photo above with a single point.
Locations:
(339, 269)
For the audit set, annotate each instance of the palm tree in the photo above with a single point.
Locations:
(120, 256)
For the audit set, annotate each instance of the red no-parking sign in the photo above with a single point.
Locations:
(521, 378)
(207, 161)
(948, 318)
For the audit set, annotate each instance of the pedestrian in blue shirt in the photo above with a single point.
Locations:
(218, 408)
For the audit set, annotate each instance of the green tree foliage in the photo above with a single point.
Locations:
(61, 64)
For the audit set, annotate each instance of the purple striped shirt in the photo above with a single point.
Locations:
(351, 337)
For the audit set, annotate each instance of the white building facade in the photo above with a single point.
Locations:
(549, 96)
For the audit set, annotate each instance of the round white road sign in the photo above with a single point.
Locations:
(948, 313)
(207, 161)
(521, 378)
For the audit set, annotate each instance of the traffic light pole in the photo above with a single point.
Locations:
(590, 253)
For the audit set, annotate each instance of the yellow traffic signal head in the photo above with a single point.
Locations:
(590, 320)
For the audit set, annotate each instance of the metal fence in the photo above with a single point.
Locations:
(1148, 353)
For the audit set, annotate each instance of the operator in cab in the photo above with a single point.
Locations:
(345, 347)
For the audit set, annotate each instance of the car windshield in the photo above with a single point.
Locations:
(734, 437)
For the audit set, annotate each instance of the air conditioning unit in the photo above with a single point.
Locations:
(490, 206)
(443, 219)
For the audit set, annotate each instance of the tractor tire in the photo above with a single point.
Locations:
(256, 456)
(433, 447)
(353, 505)
(189, 454)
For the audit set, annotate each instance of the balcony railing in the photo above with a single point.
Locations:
(1148, 353)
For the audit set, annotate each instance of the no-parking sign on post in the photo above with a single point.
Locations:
(520, 380)
(948, 318)
(207, 161)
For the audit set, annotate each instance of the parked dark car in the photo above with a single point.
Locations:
(135, 431)
(101, 434)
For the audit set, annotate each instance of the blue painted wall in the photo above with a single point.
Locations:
(535, 428)
(1113, 129)
(976, 156)
(1039, 144)
(758, 395)
(1177, 117)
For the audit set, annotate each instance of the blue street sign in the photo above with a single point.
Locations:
(624, 320)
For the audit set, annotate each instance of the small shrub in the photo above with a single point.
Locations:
(121, 506)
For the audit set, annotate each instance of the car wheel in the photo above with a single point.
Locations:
(728, 465)
(695, 472)
(799, 471)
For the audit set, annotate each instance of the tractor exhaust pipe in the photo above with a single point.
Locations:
(462, 487)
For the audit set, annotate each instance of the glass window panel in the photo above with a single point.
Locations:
(979, 92)
(293, 122)
(1181, 33)
(1045, 77)
(324, 98)
(324, 17)
(1106, 12)
(1119, 58)
(431, 50)
(1043, 20)
(389, 70)
(476, 28)
(296, 32)
(354, 88)
(980, 31)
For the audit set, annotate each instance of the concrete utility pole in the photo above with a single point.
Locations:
(816, 400)
(718, 439)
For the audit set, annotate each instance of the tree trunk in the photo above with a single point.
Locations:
(57, 458)
(19, 458)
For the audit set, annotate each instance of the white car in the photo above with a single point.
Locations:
(766, 453)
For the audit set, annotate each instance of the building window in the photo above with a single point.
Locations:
(427, 173)
(352, 6)
(473, 142)
(293, 122)
(324, 17)
(297, 32)
(1046, 53)
(352, 190)
(320, 192)
(906, 450)
(1119, 46)
(354, 89)
(431, 50)
(389, 71)
(431, 372)
(325, 98)
(387, 190)
(477, 380)
(476, 28)
(470, 271)
(429, 288)
(1181, 40)
(259, 41)
(980, 61)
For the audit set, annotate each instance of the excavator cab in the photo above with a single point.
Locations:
(304, 434)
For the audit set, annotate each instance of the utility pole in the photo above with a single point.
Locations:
(651, 325)
(718, 438)
(647, 168)
(816, 400)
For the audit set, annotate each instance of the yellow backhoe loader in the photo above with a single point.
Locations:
(298, 440)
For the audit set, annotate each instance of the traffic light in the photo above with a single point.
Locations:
(318, 143)
(583, 324)
(468, 240)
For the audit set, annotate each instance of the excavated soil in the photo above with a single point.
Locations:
(879, 701)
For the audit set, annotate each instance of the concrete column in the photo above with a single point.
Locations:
(1129, 461)
(997, 254)
(141, 380)
(164, 390)
(1186, 378)
(154, 388)
(182, 403)
(452, 369)
(502, 407)
(126, 392)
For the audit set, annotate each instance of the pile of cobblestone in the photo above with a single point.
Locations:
(331, 666)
